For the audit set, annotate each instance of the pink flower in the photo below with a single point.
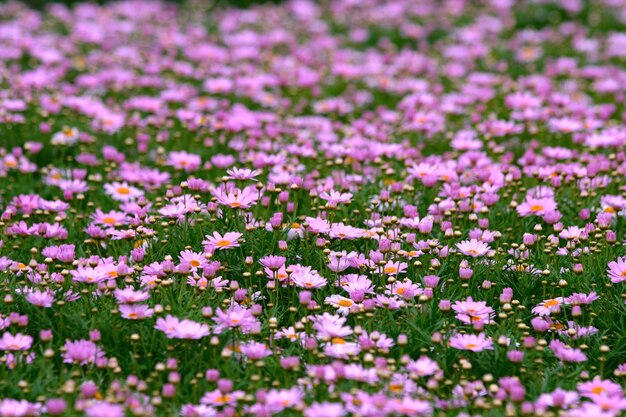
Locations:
(305, 277)
(600, 386)
(255, 351)
(40, 298)
(617, 270)
(195, 260)
(333, 197)
(217, 241)
(242, 174)
(475, 343)
(219, 398)
(81, 352)
(424, 366)
(235, 316)
(22, 408)
(104, 409)
(546, 307)
(88, 275)
(473, 248)
(536, 206)
(129, 295)
(567, 353)
(182, 329)
(345, 232)
(272, 262)
(325, 409)
(394, 268)
(236, 198)
(121, 191)
(471, 311)
(16, 342)
(135, 311)
(184, 160)
(111, 218)
(342, 304)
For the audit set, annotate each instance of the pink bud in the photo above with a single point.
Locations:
(515, 356)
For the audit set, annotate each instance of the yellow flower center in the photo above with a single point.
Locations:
(395, 388)
(536, 207)
(345, 303)
(222, 399)
(551, 303)
(223, 243)
(123, 190)
(108, 220)
(390, 269)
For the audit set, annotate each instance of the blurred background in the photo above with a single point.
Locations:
(236, 3)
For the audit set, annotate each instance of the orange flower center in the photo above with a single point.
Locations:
(222, 399)
(536, 207)
(345, 303)
(551, 303)
(223, 243)
(123, 190)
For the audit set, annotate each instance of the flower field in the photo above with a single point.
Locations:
(361, 208)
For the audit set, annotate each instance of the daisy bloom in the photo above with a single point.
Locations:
(342, 304)
(135, 311)
(217, 241)
(473, 248)
(536, 206)
(15, 342)
(546, 307)
(475, 343)
(617, 270)
(121, 191)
